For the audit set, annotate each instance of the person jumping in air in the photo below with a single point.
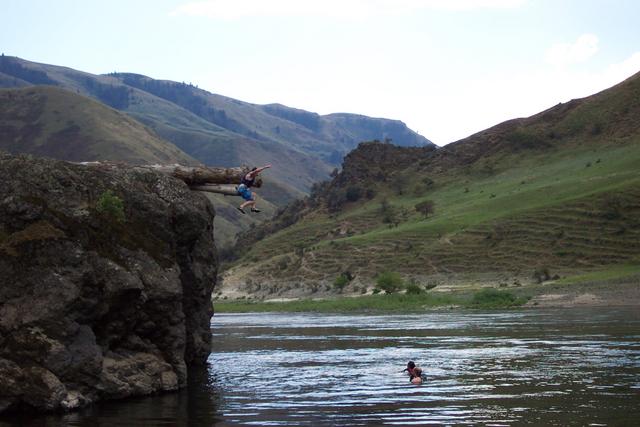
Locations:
(244, 189)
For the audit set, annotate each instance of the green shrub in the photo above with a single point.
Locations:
(389, 213)
(428, 181)
(614, 208)
(413, 289)
(541, 275)
(340, 282)
(525, 139)
(389, 281)
(493, 298)
(430, 286)
(426, 207)
(111, 205)
(354, 193)
(284, 262)
(334, 200)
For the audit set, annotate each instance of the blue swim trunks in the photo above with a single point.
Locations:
(244, 192)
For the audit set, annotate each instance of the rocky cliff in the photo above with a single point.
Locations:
(105, 283)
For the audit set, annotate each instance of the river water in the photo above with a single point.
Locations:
(539, 367)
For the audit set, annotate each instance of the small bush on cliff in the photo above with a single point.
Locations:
(111, 205)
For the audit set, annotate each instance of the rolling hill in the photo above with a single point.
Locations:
(552, 196)
(51, 122)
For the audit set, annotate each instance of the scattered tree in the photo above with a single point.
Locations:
(389, 213)
(426, 207)
(370, 193)
(389, 282)
(354, 193)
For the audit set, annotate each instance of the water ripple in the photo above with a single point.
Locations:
(490, 368)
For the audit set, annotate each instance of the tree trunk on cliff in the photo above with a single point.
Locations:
(193, 176)
(215, 188)
(201, 175)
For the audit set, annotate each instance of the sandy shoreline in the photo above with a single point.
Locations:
(587, 295)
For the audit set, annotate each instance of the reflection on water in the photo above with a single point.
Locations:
(196, 405)
(538, 367)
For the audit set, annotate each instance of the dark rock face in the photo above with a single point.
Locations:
(93, 307)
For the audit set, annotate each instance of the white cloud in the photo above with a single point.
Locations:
(564, 54)
(615, 73)
(443, 110)
(492, 101)
(346, 9)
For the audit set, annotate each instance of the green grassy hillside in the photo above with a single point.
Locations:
(52, 122)
(553, 195)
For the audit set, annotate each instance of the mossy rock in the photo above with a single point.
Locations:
(38, 231)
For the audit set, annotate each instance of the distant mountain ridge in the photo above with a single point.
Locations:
(219, 130)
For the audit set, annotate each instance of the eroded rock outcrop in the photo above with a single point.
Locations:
(93, 306)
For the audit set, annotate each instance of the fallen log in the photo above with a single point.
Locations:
(227, 190)
(201, 175)
(193, 176)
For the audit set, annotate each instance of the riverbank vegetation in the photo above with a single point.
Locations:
(613, 274)
(484, 299)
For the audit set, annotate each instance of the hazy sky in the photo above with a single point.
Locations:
(447, 68)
